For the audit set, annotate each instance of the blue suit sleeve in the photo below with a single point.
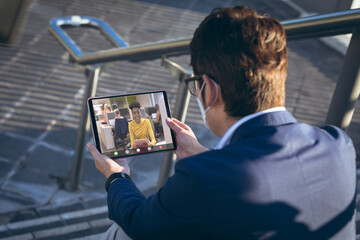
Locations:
(177, 206)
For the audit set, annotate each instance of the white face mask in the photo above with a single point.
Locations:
(202, 111)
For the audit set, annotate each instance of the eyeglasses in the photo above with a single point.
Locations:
(193, 83)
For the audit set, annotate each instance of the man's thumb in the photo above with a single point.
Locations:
(172, 125)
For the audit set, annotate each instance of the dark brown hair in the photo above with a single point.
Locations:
(134, 104)
(246, 55)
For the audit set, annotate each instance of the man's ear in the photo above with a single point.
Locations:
(211, 91)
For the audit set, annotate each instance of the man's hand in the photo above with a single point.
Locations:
(187, 144)
(106, 165)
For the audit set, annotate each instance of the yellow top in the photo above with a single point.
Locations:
(141, 131)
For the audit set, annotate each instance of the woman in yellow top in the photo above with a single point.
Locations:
(140, 128)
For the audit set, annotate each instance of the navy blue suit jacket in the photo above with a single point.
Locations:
(277, 179)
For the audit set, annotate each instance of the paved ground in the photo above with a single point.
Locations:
(41, 93)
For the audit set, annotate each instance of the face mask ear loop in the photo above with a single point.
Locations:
(217, 95)
(202, 87)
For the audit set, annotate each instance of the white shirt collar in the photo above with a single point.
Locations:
(228, 134)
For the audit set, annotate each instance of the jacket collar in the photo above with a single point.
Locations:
(266, 120)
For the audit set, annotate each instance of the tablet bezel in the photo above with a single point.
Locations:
(96, 134)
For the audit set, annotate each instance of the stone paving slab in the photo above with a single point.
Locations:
(62, 230)
(32, 222)
(4, 232)
(49, 210)
(63, 196)
(26, 236)
(12, 148)
(64, 136)
(101, 222)
(31, 185)
(48, 161)
(5, 167)
(60, 224)
(95, 202)
(12, 203)
(84, 213)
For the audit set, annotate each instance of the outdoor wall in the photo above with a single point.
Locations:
(13, 16)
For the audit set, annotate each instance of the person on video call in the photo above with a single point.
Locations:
(158, 115)
(140, 128)
(121, 129)
(157, 122)
(269, 177)
(104, 110)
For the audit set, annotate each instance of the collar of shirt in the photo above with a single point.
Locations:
(228, 134)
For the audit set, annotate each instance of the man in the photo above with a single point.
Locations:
(270, 177)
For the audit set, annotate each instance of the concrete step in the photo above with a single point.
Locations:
(88, 223)
(84, 224)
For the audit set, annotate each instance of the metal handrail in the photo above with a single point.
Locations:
(56, 24)
(312, 26)
(322, 25)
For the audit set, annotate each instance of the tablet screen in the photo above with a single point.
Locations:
(126, 125)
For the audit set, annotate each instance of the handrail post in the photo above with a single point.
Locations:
(347, 88)
(180, 110)
(92, 73)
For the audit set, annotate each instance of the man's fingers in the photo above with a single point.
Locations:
(175, 127)
(93, 151)
(180, 124)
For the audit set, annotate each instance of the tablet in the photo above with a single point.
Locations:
(131, 124)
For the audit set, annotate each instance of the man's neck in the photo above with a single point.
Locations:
(225, 138)
(222, 123)
(229, 121)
